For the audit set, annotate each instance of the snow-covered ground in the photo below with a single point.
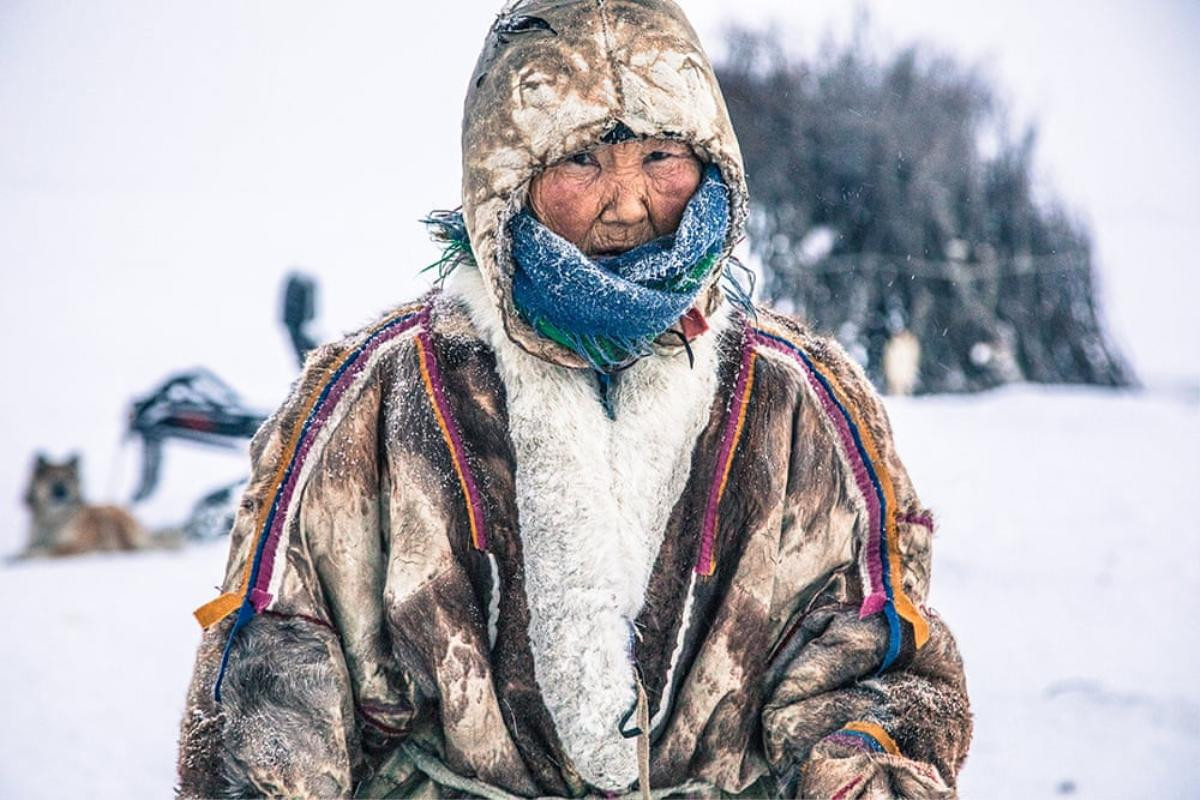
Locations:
(162, 164)
(1067, 563)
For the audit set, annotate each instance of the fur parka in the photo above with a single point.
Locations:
(454, 574)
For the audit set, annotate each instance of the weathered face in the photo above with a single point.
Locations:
(617, 196)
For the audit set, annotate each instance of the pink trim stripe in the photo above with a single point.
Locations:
(306, 617)
(368, 713)
(845, 790)
(924, 520)
(458, 451)
(260, 598)
(855, 741)
(877, 597)
(705, 562)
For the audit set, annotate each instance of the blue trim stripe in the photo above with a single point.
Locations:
(866, 738)
(316, 410)
(895, 634)
(246, 610)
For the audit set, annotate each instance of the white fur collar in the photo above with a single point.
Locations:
(593, 498)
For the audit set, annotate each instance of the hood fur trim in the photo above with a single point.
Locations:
(594, 496)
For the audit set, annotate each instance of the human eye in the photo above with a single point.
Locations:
(583, 159)
(656, 155)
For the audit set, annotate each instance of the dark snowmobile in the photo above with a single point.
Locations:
(199, 407)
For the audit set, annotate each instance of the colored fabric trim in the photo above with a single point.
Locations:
(370, 714)
(924, 520)
(735, 420)
(880, 555)
(306, 617)
(859, 741)
(871, 734)
(609, 309)
(431, 376)
(841, 793)
(255, 595)
(317, 408)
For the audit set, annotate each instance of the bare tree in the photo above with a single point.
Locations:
(891, 208)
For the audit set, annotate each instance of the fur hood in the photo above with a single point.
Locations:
(554, 77)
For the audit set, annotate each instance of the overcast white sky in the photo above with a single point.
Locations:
(163, 164)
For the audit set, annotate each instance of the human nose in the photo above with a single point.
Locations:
(627, 203)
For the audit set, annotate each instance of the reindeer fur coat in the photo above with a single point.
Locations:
(453, 574)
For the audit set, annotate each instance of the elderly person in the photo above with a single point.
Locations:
(583, 521)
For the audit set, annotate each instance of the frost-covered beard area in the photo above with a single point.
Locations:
(1067, 562)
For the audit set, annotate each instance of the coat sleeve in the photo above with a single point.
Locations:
(845, 716)
(304, 690)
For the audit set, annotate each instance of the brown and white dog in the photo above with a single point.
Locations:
(64, 524)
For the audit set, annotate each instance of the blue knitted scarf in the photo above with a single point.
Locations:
(608, 309)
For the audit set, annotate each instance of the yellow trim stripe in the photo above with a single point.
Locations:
(741, 423)
(225, 604)
(216, 610)
(904, 605)
(875, 732)
(423, 354)
(708, 535)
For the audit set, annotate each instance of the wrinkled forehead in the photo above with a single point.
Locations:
(557, 77)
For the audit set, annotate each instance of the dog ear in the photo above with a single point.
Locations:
(28, 497)
(40, 461)
(73, 461)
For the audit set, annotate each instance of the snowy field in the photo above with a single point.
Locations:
(163, 164)
(1066, 563)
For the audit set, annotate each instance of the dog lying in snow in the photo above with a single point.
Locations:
(64, 524)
